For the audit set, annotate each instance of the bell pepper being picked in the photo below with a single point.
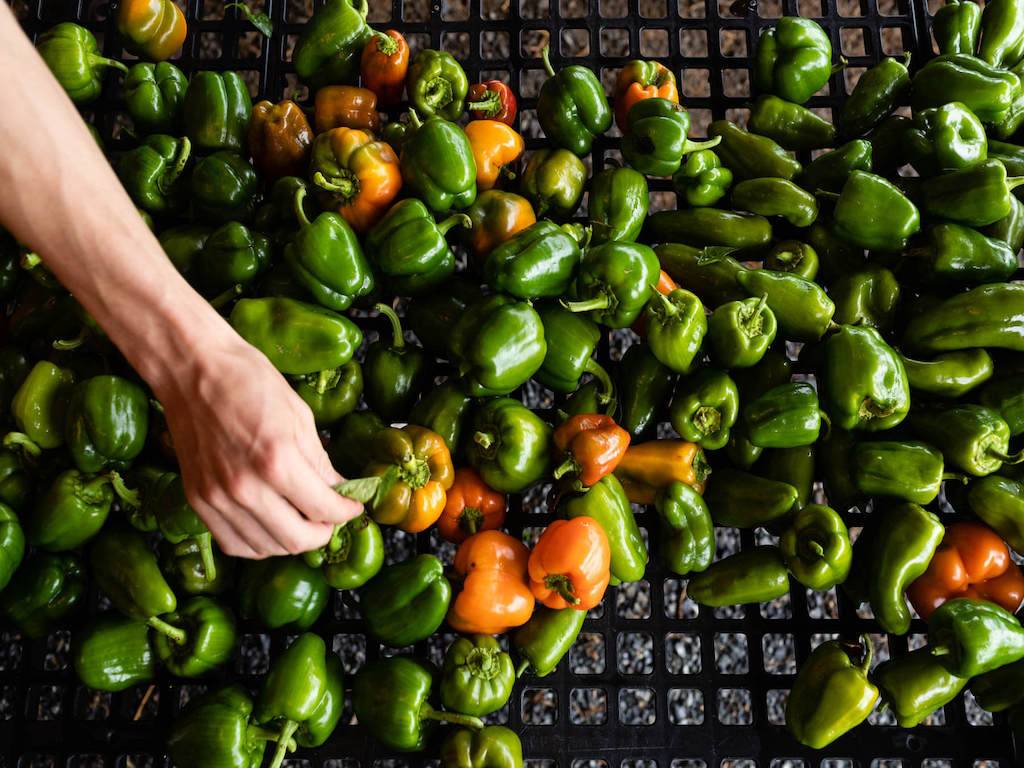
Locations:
(593, 444)
(568, 567)
(495, 594)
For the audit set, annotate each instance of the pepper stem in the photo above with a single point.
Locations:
(561, 584)
(905, 59)
(205, 543)
(265, 734)
(30, 260)
(414, 119)
(19, 441)
(826, 194)
(385, 43)
(297, 204)
(180, 161)
(940, 650)
(840, 65)
(955, 476)
(1012, 182)
(488, 106)
(567, 466)
(456, 219)
(362, 7)
(289, 729)
(176, 634)
(346, 185)
(580, 233)
(697, 146)
(124, 493)
(814, 549)
(523, 666)
(826, 421)
(103, 61)
(663, 304)
(1007, 458)
(221, 299)
(545, 55)
(607, 394)
(484, 439)
(70, 345)
(598, 302)
(438, 93)
(869, 652)
(397, 337)
(427, 712)
(470, 519)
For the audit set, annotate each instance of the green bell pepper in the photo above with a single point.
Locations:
(163, 499)
(642, 386)
(183, 244)
(113, 654)
(390, 697)
(406, 602)
(154, 95)
(12, 544)
(873, 213)
(702, 179)
(786, 416)
(394, 371)
(974, 196)
(492, 747)
(704, 408)
(987, 91)
(151, 172)
(816, 547)
(958, 255)
(865, 384)
(223, 187)
(831, 694)
(750, 156)
(15, 482)
(410, 250)
(972, 637)
(539, 261)
(802, 309)
(985, 316)
(755, 575)
(974, 439)
(776, 197)
(902, 469)
(999, 689)
(477, 676)
(127, 572)
(878, 92)
(793, 59)
(353, 556)
(73, 56)
(866, 297)
(572, 107)
(1010, 228)
(210, 635)
(554, 181)
(351, 439)
(14, 367)
(329, 48)
(571, 341)
(232, 255)
(686, 542)
(298, 338)
(498, 343)
(916, 685)
(617, 205)
(793, 466)
(1002, 33)
(830, 170)
(437, 84)
(331, 393)
(445, 411)
(544, 640)
(216, 111)
(676, 326)
(656, 140)
(276, 216)
(185, 568)
(946, 138)
(606, 502)
(956, 27)
(614, 283)
(510, 445)
(72, 511)
(790, 125)
(714, 279)
(107, 422)
(437, 164)
(740, 499)
(953, 374)
(709, 227)
(216, 731)
(39, 408)
(282, 592)
(44, 592)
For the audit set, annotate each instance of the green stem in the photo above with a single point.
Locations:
(30, 260)
(176, 634)
(346, 187)
(289, 729)
(905, 59)
(221, 299)
(459, 219)
(124, 493)
(180, 161)
(563, 587)
(955, 476)
(70, 345)
(664, 305)
(24, 443)
(840, 65)
(205, 543)
(567, 466)
(697, 146)
(265, 734)
(325, 380)
(814, 549)
(1007, 458)
(397, 337)
(484, 439)
(1012, 182)
(826, 421)
(414, 119)
(427, 712)
(545, 55)
(470, 520)
(385, 43)
(362, 7)
(940, 650)
(297, 204)
(865, 641)
(607, 394)
(523, 666)
(489, 105)
(826, 194)
(598, 302)
(103, 61)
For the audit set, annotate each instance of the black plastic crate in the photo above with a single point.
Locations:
(653, 682)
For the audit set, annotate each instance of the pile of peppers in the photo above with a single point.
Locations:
(833, 341)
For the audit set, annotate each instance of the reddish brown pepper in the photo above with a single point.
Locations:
(279, 139)
(594, 445)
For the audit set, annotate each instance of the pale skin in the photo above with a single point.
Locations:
(251, 459)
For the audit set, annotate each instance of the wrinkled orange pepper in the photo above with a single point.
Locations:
(496, 216)
(973, 562)
(345, 106)
(424, 473)
(472, 506)
(360, 175)
(384, 64)
(594, 445)
(569, 567)
(664, 286)
(648, 468)
(151, 29)
(640, 80)
(279, 139)
(495, 592)
(495, 146)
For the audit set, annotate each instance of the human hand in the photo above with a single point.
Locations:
(251, 459)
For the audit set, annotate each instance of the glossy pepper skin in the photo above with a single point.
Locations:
(740, 332)
(113, 654)
(750, 156)
(867, 297)
(151, 29)
(903, 469)
(184, 566)
(279, 139)
(946, 138)
(743, 500)
(802, 309)
(477, 676)
(1005, 395)
(437, 164)
(391, 696)
(614, 283)
(878, 397)
(702, 179)
(705, 407)
(873, 213)
(70, 512)
(793, 60)
(593, 444)
(999, 689)
(107, 421)
(445, 410)
(415, 588)
(495, 217)
(544, 640)
(39, 407)
(223, 187)
(498, 344)
(647, 468)
(12, 544)
(916, 685)
(539, 261)
(776, 197)
(509, 445)
(492, 747)
(639, 80)
(786, 416)
(216, 731)
(346, 106)
(210, 631)
(330, 45)
(73, 56)
(676, 326)
(554, 181)
(973, 196)
(1002, 28)
(972, 637)
(353, 555)
(707, 227)
(986, 316)
(816, 547)
(16, 484)
(572, 107)
(606, 503)
(437, 84)
(655, 138)
(951, 374)
(954, 254)
(792, 126)
(642, 386)
(974, 439)
(495, 594)
(384, 64)
(568, 568)
(878, 92)
(956, 27)
(687, 534)
(409, 247)
(470, 507)
(752, 576)
(571, 340)
(297, 337)
(828, 171)
(154, 95)
(997, 501)
(282, 592)
(831, 693)
(44, 591)
(985, 90)
(151, 172)
(126, 569)
(394, 371)
(492, 100)
(496, 148)
(331, 393)
(217, 110)
(618, 204)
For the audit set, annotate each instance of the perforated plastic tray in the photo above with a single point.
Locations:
(653, 682)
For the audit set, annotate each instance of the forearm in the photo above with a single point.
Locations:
(61, 198)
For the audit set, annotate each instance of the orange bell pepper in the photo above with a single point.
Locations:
(360, 175)
(569, 567)
(664, 286)
(495, 592)
(973, 562)
(640, 80)
(495, 146)
(472, 506)
(345, 106)
(594, 443)
(496, 216)
(383, 66)
(279, 139)
(151, 29)
(648, 468)
(419, 461)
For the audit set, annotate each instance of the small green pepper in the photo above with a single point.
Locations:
(702, 179)
(437, 164)
(71, 512)
(1010, 228)
(793, 256)
(328, 50)
(958, 255)
(282, 592)
(406, 602)
(544, 640)
(785, 416)
(437, 84)
(331, 393)
(353, 556)
(1002, 33)
(704, 408)
(676, 326)
(184, 566)
(902, 469)
(794, 466)
(956, 27)
(713, 279)
(987, 91)
(792, 126)
(216, 731)
(709, 227)
(742, 500)
(12, 544)
(617, 204)
(39, 407)
(878, 92)
(802, 309)
(793, 59)
(946, 138)
(999, 689)
(866, 297)
(232, 255)
(509, 445)
(554, 181)
(865, 384)
(606, 502)
(615, 282)
(73, 56)
(974, 439)
(830, 170)
(445, 411)
(750, 156)
(873, 213)
(572, 107)
(656, 140)
(477, 676)
(686, 542)
(776, 197)
(974, 196)
(216, 111)
(740, 332)
(394, 371)
(492, 747)
(44, 592)
(536, 262)
(409, 247)
(953, 374)
(151, 172)
(816, 547)
(755, 575)
(571, 341)
(107, 422)
(154, 95)
(223, 187)
(642, 386)
(210, 636)
(113, 654)
(916, 685)
(972, 637)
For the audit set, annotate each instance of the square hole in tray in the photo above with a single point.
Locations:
(587, 655)
(539, 706)
(685, 706)
(637, 706)
(588, 706)
(635, 653)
